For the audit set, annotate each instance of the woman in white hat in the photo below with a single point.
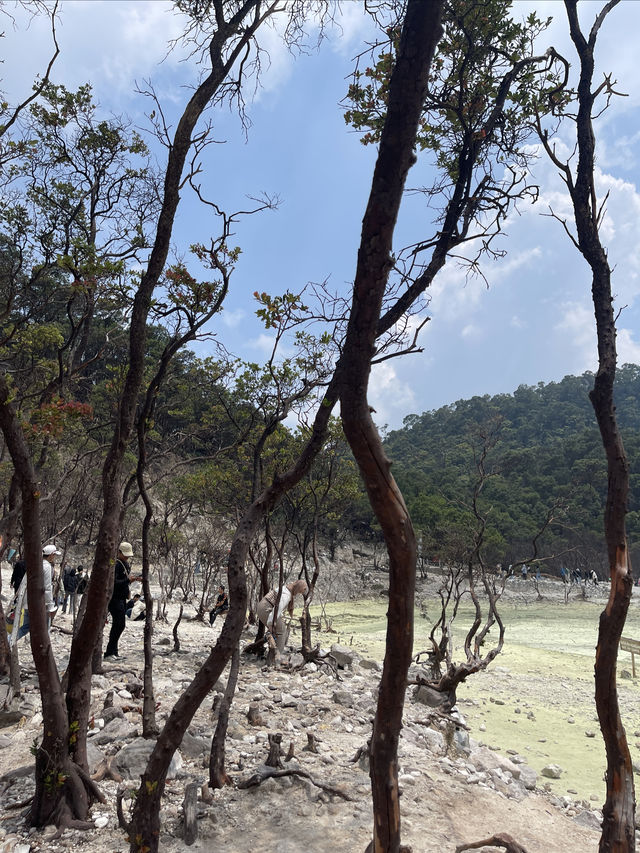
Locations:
(119, 598)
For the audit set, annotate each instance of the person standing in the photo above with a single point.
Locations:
(119, 598)
(49, 554)
(82, 582)
(20, 622)
(19, 571)
(70, 583)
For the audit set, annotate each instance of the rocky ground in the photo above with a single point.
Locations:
(454, 790)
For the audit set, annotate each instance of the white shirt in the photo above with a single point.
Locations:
(47, 571)
(285, 598)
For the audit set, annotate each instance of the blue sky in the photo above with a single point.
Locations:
(533, 323)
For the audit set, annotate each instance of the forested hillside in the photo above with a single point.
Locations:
(543, 453)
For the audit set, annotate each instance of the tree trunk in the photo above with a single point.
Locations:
(420, 33)
(63, 792)
(618, 825)
(217, 774)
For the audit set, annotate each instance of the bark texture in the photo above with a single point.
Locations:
(218, 776)
(420, 33)
(618, 825)
(63, 791)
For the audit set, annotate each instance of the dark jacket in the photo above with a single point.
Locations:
(18, 573)
(70, 581)
(121, 581)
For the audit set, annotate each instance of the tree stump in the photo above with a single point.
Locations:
(189, 807)
(291, 753)
(253, 715)
(311, 744)
(274, 758)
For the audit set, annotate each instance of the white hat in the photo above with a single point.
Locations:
(50, 550)
(125, 549)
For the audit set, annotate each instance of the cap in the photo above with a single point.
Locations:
(50, 550)
(125, 549)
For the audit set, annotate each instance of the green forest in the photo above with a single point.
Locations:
(544, 455)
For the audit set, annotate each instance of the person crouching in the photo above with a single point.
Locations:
(268, 603)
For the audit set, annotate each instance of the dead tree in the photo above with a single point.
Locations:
(469, 576)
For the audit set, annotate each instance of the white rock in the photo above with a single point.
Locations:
(552, 771)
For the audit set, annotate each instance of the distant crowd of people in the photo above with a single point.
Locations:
(566, 576)
(64, 590)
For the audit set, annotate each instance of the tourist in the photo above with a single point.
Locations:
(268, 603)
(119, 598)
(70, 584)
(221, 605)
(19, 571)
(83, 581)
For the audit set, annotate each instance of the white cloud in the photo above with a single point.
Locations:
(231, 318)
(628, 348)
(577, 327)
(389, 395)
(263, 343)
(516, 260)
(472, 332)
(354, 26)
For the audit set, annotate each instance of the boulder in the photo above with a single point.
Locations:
(193, 746)
(589, 819)
(132, 759)
(485, 759)
(552, 771)
(435, 741)
(118, 729)
(343, 656)
(343, 697)
(528, 777)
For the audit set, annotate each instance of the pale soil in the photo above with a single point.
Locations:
(439, 808)
(545, 669)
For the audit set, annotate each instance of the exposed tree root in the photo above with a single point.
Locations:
(256, 648)
(501, 839)
(106, 770)
(271, 773)
(315, 656)
(69, 808)
(122, 821)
